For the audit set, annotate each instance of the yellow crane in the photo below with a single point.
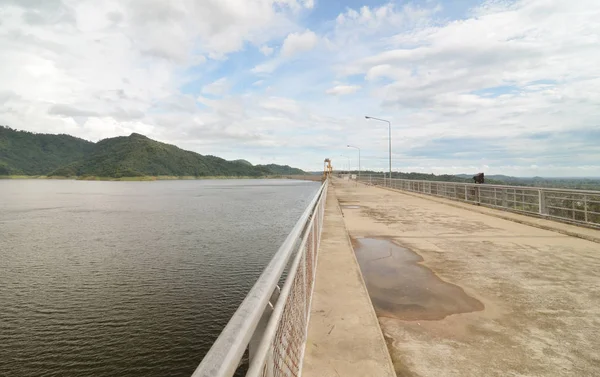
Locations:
(327, 169)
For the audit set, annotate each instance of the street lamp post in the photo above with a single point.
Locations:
(390, 138)
(351, 146)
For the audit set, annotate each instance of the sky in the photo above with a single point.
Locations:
(501, 87)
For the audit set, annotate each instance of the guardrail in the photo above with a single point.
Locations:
(272, 322)
(574, 206)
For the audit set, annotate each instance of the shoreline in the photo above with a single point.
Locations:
(140, 178)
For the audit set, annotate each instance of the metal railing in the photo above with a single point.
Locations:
(574, 206)
(272, 322)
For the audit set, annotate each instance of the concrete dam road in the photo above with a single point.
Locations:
(462, 293)
(344, 337)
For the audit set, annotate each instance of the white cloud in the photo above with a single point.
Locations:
(267, 67)
(266, 50)
(368, 21)
(67, 62)
(308, 3)
(293, 44)
(278, 104)
(510, 85)
(523, 59)
(343, 89)
(220, 26)
(217, 88)
(70, 111)
(298, 42)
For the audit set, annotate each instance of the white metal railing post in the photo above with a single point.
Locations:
(542, 202)
(585, 207)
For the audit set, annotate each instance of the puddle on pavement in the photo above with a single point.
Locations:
(402, 288)
(350, 207)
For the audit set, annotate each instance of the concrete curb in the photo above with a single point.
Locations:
(344, 337)
(362, 280)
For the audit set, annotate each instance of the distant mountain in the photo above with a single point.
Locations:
(498, 179)
(138, 155)
(566, 182)
(281, 169)
(417, 176)
(242, 162)
(275, 169)
(26, 153)
(125, 156)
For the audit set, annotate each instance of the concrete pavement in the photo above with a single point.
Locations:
(344, 337)
(529, 297)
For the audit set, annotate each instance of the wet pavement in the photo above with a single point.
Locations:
(400, 287)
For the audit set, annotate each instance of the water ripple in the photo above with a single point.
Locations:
(130, 278)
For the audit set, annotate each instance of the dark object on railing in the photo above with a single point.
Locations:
(478, 178)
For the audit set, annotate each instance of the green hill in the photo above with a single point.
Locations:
(137, 155)
(243, 162)
(275, 169)
(26, 153)
(281, 169)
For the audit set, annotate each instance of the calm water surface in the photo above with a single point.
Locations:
(130, 278)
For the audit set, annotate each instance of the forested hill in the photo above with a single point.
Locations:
(25, 153)
(282, 169)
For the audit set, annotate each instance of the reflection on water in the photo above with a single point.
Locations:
(400, 287)
(130, 278)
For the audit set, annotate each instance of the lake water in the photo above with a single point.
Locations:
(131, 278)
